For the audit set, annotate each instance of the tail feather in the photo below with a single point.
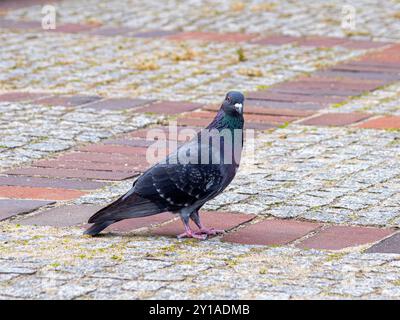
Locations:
(98, 227)
(125, 208)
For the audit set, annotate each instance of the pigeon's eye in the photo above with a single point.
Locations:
(229, 99)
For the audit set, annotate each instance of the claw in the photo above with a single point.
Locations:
(210, 231)
(190, 234)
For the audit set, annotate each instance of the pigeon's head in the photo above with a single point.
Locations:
(233, 103)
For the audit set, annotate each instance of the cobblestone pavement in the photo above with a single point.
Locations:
(34, 131)
(373, 18)
(385, 101)
(151, 68)
(43, 262)
(314, 214)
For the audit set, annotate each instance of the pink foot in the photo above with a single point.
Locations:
(210, 231)
(191, 234)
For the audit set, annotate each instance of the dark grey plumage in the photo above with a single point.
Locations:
(185, 186)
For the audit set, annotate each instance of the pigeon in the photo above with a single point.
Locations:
(195, 173)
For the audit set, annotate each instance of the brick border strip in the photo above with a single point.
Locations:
(271, 39)
(240, 228)
(9, 5)
(335, 85)
(101, 103)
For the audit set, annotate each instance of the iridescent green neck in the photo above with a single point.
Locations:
(226, 121)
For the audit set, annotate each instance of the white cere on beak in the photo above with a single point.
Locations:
(239, 107)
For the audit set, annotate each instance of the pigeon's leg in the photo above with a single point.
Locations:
(203, 230)
(189, 233)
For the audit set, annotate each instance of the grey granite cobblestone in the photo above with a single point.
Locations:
(32, 131)
(65, 268)
(382, 101)
(373, 19)
(151, 68)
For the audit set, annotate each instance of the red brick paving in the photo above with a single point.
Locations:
(106, 148)
(111, 31)
(98, 29)
(73, 215)
(212, 36)
(363, 44)
(18, 192)
(362, 66)
(73, 28)
(50, 183)
(12, 4)
(335, 119)
(20, 25)
(170, 107)
(22, 96)
(194, 122)
(323, 42)
(84, 165)
(285, 105)
(316, 91)
(202, 119)
(319, 83)
(201, 123)
(387, 122)
(389, 55)
(118, 104)
(67, 101)
(267, 232)
(217, 220)
(9, 208)
(154, 34)
(248, 116)
(286, 97)
(71, 173)
(105, 158)
(65, 216)
(339, 237)
(362, 75)
(136, 223)
(345, 82)
(276, 40)
(382, 65)
(255, 110)
(271, 232)
(272, 119)
(167, 145)
(260, 126)
(389, 245)
(319, 41)
(163, 132)
(143, 143)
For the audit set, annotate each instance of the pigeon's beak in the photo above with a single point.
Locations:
(239, 107)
